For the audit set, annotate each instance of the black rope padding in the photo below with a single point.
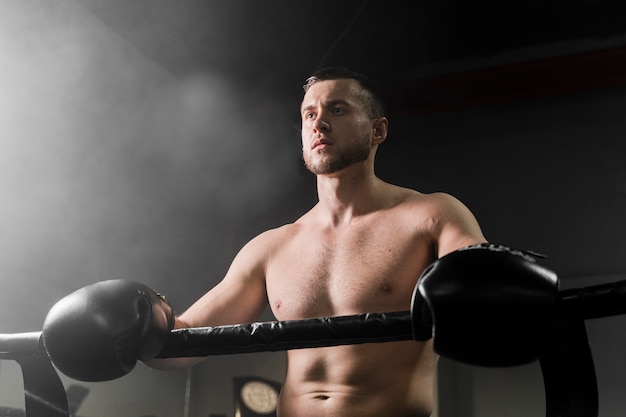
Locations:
(291, 334)
(44, 393)
(603, 300)
(17, 345)
(569, 374)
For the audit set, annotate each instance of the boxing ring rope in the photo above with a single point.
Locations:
(44, 394)
(275, 336)
(571, 391)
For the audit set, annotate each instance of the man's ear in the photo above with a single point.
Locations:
(379, 127)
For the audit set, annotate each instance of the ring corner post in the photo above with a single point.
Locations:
(569, 373)
(44, 393)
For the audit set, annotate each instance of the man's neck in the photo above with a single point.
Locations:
(347, 195)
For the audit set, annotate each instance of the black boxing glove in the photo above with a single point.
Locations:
(486, 305)
(98, 332)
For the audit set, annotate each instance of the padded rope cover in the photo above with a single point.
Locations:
(44, 393)
(593, 302)
(569, 374)
(290, 334)
(567, 363)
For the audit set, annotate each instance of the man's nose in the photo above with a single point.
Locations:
(321, 124)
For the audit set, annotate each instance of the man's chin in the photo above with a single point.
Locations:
(325, 168)
(319, 167)
(329, 166)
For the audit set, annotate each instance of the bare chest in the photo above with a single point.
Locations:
(365, 268)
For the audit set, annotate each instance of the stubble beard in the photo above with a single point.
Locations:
(356, 151)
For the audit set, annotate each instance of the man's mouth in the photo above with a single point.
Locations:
(320, 142)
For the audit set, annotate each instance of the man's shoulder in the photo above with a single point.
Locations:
(435, 200)
(433, 207)
(439, 198)
(262, 245)
(279, 234)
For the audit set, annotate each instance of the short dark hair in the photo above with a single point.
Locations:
(373, 97)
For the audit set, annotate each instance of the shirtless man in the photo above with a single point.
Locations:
(360, 249)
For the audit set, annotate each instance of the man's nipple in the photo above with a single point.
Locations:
(384, 288)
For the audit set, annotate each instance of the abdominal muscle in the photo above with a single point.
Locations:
(391, 379)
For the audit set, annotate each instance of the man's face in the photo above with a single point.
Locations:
(336, 129)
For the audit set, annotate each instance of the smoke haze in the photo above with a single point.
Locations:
(113, 166)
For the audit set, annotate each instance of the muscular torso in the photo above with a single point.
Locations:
(369, 265)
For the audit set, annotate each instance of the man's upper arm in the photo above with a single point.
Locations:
(456, 226)
(240, 297)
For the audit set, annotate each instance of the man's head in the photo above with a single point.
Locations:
(342, 122)
(371, 95)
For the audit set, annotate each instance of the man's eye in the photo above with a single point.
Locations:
(337, 110)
